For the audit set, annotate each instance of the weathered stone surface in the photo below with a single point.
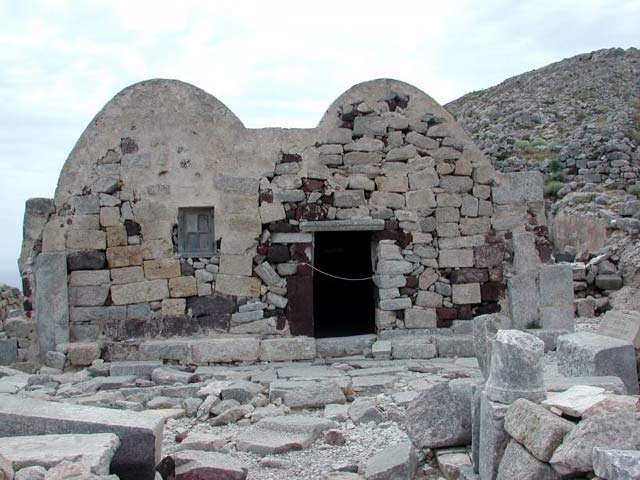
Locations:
(524, 299)
(559, 383)
(441, 416)
(287, 349)
(619, 431)
(419, 347)
(94, 451)
(82, 354)
(140, 369)
(181, 287)
(420, 318)
(81, 278)
(624, 325)
(466, 293)
(518, 188)
(556, 296)
(225, 350)
(86, 260)
(517, 367)
(394, 462)
(282, 434)
(267, 274)
(616, 464)
(86, 240)
(124, 256)
(586, 353)
(344, 346)
(8, 351)
(493, 437)
(485, 328)
(452, 464)
(314, 395)
(51, 300)
(575, 400)
(518, 463)
(161, 268)
(140, 435)
(199, 465)
(237, 285)
(536, 428)
(455, 258)
(364, 410)
(139, 292)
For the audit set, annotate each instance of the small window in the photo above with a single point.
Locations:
(195, 232)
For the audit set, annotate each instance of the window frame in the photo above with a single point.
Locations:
(183, 213)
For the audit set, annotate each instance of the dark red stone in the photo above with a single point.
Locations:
(180, 437)
(299, 252)
(195, 378)
(446, 313)
(488, 308)
(263, 249)
(128, 145)
(312, 185)
(412, 282)
(405, 239)
(391, 225)
(282, 227)
(290, 158)
(216, 304)
(281, 324)
(300, 306)
(87, 260)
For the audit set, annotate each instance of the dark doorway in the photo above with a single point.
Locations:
(343, 308)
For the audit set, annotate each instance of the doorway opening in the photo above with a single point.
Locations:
(342, 308)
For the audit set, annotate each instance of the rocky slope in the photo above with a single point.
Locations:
(577, 121)
(579, 117)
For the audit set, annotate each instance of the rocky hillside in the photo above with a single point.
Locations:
(577, 119)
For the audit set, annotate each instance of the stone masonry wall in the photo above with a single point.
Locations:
(385, 158)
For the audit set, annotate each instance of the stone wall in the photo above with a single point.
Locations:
(385, 158)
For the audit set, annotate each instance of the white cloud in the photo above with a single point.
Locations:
(273, 63)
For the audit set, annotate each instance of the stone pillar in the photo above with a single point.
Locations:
(51, 301)
(485, 328)
(516, 371)
(517, 368)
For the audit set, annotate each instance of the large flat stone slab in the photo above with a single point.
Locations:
(586, 353)
(624, 325)
(140, 435)
(282, 434)
(199, 465)
(96, 451)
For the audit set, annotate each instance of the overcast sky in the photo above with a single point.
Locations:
(274, 63)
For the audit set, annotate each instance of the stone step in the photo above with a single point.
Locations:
(95, 450)
(140, 434)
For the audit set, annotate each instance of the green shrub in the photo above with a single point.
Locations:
(551, 188)
(555, 166)
(634, 190)
(557, 177)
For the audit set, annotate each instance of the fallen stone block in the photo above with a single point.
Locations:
(282, 434)
(621, 324)
(518, 463)
(452, 463)
(441, 415)
(140, 369)
(140, 435)
(82, 354)
(616, 464)
(199, 465)
(373, 384)
(485, 328)
(170, 376)
(395, 462)
(365, 410)
(208, 442)
(314, 395)
(619, 431)
(557, 383)
(95, 451)
(537, 429)
(287, 349)
(576, 400)
(586, 353)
